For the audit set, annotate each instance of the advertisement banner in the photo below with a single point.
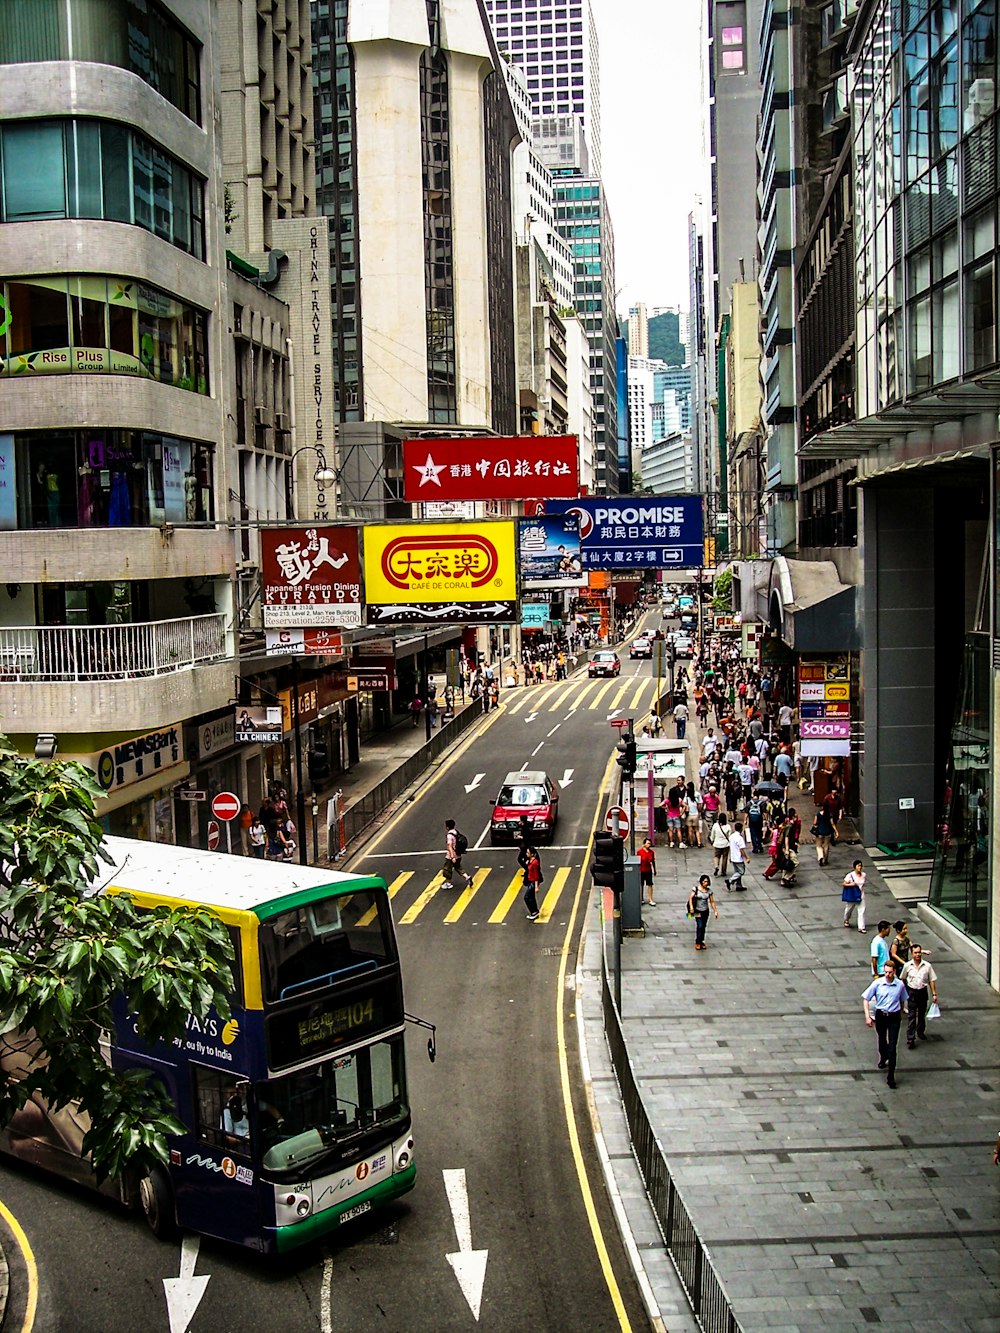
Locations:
(8, 497)
(254, 723)
(440, 573)
(827, 728)
(636, 532)
(520, 467)
(535, 615)
(310, 577)
(549, 547)
(303, 642)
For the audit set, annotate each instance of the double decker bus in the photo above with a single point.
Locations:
(296, 1109)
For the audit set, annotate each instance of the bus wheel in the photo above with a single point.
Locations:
(157, 1201)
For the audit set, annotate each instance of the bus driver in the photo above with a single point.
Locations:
(234, 1123)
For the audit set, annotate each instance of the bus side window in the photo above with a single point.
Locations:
(221, 1117)
(236, 940)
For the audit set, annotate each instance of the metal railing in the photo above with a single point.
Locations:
(110, 652)
(688, 1252)
(369, 807)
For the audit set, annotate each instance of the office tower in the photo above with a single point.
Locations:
(638, 331)
(583, 219)
(555, 41)
(411, 118)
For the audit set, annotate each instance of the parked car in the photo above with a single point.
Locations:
(531, 794)
(641, 647)
(604, 663)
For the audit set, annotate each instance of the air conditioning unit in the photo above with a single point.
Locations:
(263, 415)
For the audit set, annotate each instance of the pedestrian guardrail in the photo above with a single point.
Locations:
(369, 807)
(688, 1252)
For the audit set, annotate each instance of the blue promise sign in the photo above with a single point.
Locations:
(638, 531)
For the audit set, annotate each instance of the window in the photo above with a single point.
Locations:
(136, 35)
(221, 1113)
(94, 169)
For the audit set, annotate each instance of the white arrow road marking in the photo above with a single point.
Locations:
(614, 714)
(567, 777)
(531, 717)
(471, 786)
(183, 1294)
(468, 1265)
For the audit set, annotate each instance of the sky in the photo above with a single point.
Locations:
(652, 150)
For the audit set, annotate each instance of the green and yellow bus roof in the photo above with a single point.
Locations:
(186, 876)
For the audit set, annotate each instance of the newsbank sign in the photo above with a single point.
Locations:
(638, 531)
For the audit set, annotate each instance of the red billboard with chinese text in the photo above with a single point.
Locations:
(512, 467)
(310, 577)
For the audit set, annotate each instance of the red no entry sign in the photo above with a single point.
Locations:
(225, 805)
(213, 835)
(617, 822)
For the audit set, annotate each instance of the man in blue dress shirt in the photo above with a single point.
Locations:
(885, 1003)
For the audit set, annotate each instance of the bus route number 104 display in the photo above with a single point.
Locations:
(313, 1029)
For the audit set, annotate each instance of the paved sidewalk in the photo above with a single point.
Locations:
(825, 1199)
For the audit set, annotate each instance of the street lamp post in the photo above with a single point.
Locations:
(324, 476)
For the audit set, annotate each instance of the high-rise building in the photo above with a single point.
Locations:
(412, 118)
(556, 43)
(638, 331)
(583, 218)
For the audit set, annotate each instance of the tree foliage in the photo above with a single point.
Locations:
(722, 592)
(67, 950)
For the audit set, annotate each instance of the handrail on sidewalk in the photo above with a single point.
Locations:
(688, 1252)
(366, 809)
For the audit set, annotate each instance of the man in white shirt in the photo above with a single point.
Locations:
(737, 859)
(920, 979)
(785, 716)
(709, 744)
(681, 720)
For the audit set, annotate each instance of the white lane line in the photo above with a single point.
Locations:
(476, 845)
(325, 1311)
(537, 748)
(560, 847)
(554, 730)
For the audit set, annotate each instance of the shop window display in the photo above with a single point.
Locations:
(97, 325)
(111, 479)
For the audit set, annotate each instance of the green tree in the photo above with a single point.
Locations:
(67, 950)
(722, 592)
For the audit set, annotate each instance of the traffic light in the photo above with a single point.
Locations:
(608, 867)
(626, 760)
(318, 764)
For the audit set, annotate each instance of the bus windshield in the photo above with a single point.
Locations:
(320, 943)
(307, 1115)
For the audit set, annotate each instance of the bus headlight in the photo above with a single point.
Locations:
(403, 1155)
(303, 1208)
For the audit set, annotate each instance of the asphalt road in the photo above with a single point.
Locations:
(502, 1104)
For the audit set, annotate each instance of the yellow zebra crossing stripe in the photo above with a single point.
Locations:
(561, 698)
(525, 695)
(637, 696)
(467, 895)
(421, 901)
(511, 893)
(601, 693)
(394, 888)
(548, 903)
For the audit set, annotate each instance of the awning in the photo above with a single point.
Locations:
(810, 608)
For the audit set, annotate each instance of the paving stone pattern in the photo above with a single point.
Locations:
(825, 1198)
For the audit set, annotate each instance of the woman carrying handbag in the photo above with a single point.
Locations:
(853, 895)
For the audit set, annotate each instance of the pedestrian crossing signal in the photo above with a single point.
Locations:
(627, 757)
(608, 866)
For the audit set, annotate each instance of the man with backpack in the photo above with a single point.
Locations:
(456, 844)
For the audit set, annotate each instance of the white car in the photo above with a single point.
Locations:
(683, 645)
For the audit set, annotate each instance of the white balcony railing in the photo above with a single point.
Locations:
(110, 652)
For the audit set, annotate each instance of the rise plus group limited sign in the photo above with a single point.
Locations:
(519, 467)
(440, 573)
(636, 532)
(310, 577)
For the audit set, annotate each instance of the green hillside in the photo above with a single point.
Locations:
(664, 344)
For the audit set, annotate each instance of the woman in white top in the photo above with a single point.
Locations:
(853, 895)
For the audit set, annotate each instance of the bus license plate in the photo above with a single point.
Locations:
(360, 1208)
